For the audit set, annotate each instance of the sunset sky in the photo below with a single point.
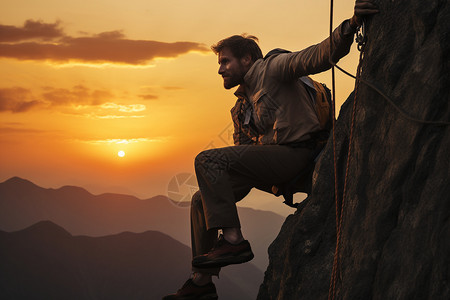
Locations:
(82, 80)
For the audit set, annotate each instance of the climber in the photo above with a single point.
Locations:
(274, 135)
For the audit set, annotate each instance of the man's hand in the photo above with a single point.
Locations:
(362, 8)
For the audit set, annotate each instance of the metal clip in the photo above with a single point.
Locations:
(361, 36)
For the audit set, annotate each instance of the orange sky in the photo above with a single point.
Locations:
(84, 79)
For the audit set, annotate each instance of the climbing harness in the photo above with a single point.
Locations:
(361, 37)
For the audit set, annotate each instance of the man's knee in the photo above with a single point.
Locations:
(210, 164)
(196, 201)
(205, 157)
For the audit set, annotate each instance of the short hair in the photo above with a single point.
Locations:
(240, 45)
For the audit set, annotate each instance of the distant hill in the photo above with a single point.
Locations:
(46, 262)
(22, 203)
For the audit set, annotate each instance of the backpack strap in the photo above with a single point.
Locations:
(276, 51)
(323, 107)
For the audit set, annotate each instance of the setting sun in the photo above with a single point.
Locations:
(131, 102)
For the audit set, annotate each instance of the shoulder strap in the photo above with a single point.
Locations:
(276, 51)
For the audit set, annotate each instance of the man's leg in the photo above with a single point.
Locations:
(202, 239)
(200, 285)
(226, 175)
(233, 171)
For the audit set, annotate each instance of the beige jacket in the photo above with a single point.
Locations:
(274, 105)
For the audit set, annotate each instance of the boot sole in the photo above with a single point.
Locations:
(212, 296)
(209, 297)
(204, 297)
(226, 260)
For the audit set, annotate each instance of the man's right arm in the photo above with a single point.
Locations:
(317, 58)
(314, 59)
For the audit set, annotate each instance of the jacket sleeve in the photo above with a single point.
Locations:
(314, 59)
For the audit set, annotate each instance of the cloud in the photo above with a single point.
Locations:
(124, 141)
(106, 117)
(149, 91)
(30, 30)
(173, 88)
(149, 97)
(19, 128)
(14, 130)
(78, 95)
(124, 108)
(79, 100)
(106, 47)
(17, 100)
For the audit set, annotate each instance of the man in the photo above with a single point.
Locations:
(274, 128)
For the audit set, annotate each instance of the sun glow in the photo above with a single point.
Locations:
(121, 153)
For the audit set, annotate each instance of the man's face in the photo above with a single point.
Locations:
(232, 69)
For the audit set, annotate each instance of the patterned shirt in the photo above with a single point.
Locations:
(245, 132)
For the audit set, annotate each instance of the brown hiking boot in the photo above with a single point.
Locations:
(223, 254)
(191, 291)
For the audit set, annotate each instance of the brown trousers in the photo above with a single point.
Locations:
(226, 175)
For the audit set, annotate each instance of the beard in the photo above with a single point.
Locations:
(230, 80)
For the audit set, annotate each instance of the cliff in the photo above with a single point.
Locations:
(395, 241)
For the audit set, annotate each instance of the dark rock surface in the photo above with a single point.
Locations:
(396, 229)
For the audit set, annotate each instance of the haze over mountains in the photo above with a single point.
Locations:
(22, 204)
(46, 262)
(117, 249)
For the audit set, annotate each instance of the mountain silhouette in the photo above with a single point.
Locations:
(22, 203)
(44, 261)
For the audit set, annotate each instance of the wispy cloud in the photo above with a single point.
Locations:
(16, 130)
(107, 47)
(78, 95)
(173, 88)
(105, 116)
(123, 141)
(149, 97)
(18, 100)
(131, 108)
(79, 100)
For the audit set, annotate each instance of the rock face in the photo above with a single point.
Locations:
(395, 240)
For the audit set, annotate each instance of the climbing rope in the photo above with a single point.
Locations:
(340, 214)
(361, 40)
(332, 289)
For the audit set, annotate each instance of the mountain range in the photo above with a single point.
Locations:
(22, 204)
(44, 261)
(67, 243)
